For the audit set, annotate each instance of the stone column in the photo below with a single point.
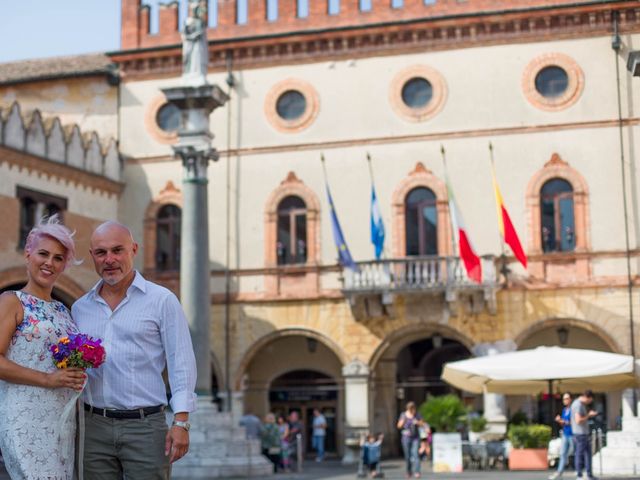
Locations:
(356, 392)
(495, 407)
(194, 149)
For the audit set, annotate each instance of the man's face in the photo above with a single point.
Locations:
(113, 251)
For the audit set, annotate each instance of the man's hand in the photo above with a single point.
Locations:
(177, 443)
(592, 414)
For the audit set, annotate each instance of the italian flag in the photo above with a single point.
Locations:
(507, 229)
(462, 243)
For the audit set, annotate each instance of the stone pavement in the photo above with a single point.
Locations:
(394, 470)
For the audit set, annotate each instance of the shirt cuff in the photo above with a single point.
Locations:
(183, 402)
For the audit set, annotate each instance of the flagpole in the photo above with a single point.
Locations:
(503, 257)
(453, 227)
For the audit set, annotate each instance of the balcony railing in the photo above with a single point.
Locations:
(417, 274)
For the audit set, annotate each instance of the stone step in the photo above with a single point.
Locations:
(623, 439)
(617, 461)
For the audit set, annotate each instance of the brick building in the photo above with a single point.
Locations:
(346, 78)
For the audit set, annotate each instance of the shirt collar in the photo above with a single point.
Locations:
(138, 282)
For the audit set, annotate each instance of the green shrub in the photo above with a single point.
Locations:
(529, 436)
(443, 412)
(477, 424)
(519, 418)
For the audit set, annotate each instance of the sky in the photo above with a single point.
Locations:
(49, 28)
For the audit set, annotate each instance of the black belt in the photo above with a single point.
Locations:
(113, 413)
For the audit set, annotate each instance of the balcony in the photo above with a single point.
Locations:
(421, 275)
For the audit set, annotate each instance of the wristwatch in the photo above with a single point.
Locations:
(181, 424)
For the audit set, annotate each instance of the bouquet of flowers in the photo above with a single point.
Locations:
(78, 350)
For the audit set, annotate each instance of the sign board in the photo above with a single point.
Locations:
(447, 452)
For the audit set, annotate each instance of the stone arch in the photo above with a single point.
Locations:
(411, 333)
(266, 339)
(556, 167)
(420, 176)
(569, 322)
(292, 185)
(169, 195)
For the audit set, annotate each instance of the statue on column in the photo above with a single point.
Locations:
(195, 52)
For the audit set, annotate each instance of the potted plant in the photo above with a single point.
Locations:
(443, 412)
(477, 425)
(530, 444)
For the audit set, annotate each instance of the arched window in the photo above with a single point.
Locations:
(33, 207)
(557, 218)
(421, 222)
(291, 245)
(168, 238)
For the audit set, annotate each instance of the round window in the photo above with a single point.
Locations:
(168, 118)
(552, 81)
(417, 92)
(291, 105)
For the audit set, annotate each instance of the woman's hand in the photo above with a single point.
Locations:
(67, 378)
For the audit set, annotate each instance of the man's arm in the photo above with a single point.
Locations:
(181, 368)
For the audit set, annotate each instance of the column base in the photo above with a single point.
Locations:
(218, 448)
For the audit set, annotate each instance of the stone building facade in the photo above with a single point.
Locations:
(395, 81)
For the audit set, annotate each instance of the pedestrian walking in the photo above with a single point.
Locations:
(270, 440)
(285, 454)
(580, 416)
(564, 419)
(251, 424)
(296, 428)
(409, 425)
(319, 434)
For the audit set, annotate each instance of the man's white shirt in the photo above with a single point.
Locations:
(146, 332)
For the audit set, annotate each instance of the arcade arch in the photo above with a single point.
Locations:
(295, 370)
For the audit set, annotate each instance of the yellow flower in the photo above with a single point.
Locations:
(62, 364)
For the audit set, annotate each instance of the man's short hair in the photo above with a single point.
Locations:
(588, 393)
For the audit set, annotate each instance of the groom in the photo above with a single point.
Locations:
(143, 329)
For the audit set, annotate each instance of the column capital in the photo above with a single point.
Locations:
(355, 368)
(491, 348)
(195, 162)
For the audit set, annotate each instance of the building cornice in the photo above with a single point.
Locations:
(392, 38)
(49, 168)
(386, 140)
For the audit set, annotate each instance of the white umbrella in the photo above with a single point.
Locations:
(533, 371)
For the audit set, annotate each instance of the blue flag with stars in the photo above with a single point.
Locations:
(344, 255)
(377, 226)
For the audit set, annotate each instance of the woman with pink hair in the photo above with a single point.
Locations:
(34, 441)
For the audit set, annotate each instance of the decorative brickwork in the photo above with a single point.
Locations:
(169, 195)
(44, 145)
(420, 177)
(383, 31)
(570, 95)
(300, 123)
(433, 106)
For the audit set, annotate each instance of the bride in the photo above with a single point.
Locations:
(33, 392)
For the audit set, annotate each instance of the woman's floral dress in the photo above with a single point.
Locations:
(34, 442)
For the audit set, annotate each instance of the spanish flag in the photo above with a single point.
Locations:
(507, 229)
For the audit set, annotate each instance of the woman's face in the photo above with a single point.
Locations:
(45, 262)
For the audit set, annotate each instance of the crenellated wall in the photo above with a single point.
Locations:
(28, 132)
(136, 34)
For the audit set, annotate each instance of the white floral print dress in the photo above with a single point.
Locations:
(34, 442)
